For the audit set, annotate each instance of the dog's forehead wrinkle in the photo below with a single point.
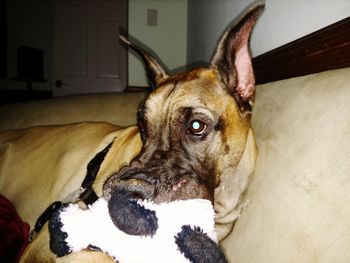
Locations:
(199, 103)
(194, 92)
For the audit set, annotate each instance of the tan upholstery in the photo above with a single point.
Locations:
(299, 198)
(116, 108)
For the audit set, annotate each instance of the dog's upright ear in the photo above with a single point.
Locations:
(155, 70)
(233, 59)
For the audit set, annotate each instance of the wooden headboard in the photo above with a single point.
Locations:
(325, 49)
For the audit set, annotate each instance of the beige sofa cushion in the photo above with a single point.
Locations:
(115, 108)
(299, 198)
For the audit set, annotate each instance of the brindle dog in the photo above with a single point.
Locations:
(197, 143)
(195, 128)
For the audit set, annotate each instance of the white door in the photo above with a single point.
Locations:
(88, 57)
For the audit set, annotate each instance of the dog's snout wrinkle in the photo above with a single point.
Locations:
(141, 176)
(138, 184)
(138, 189)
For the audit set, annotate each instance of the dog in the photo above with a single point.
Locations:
(193, 140)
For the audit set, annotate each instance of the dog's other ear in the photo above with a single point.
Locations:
(233, 59)
(157, 73)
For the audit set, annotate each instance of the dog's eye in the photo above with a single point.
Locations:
(197, 127)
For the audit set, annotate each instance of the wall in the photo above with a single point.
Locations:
(31, 25)
(168, 40)
(282, 22)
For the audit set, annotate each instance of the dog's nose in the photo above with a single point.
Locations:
(138, 185)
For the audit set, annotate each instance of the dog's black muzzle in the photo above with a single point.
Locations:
(162, 176)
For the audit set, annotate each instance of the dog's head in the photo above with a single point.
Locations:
(194, 126)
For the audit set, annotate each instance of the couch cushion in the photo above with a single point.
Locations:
(115, 108)
(299, 198)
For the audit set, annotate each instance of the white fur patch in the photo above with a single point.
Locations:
(95, 227)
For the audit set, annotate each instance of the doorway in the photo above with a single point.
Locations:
(87, 54)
